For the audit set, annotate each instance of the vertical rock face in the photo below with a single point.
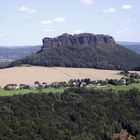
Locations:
(78, 39)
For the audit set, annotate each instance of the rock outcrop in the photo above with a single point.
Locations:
(78, 39)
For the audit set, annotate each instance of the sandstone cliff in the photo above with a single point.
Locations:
(78, 39)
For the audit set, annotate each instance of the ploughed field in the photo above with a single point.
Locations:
(28, 75)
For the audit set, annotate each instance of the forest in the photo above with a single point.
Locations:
(75, 114)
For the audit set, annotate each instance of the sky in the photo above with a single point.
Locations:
(27, 22)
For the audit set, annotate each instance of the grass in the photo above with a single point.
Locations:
(60, 90)
(123, 87)
(25, 91)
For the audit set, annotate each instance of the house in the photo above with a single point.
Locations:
(17, 87)
(90, 85)
(55, 84)
(44, 84)
(33, 86)
(11, 86)
(74, 84)
(83, 84)
(23, 86)
(123, 80)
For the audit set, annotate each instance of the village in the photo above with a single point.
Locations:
(128, 78)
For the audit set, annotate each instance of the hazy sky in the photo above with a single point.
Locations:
(26, 22)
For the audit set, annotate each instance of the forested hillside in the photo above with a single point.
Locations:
(77, 114)
(103, 57)
(84, 50)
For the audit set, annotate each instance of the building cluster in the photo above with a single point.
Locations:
(72, 83)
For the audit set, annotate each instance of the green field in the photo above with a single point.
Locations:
(122, 87)
(60, 90)
(25, 91)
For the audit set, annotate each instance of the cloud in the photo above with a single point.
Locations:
(125, 31)
(50, 30)
(2, 36)
(78, 31)
(46, 22)
(29, 17)
(110, 10)
(87, 2)
(59, 20)
(53, 21)
(127, 7)
(130, 21)
(27, 10)
(121, 31)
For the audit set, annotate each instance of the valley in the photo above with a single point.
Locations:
(11, 53)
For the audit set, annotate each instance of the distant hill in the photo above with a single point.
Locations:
(8, 54)
(128, 43)
(83, 50)
(133, 46)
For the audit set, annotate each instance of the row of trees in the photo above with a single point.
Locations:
(128, 74)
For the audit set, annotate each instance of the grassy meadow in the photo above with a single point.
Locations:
(122, 87)
(60, 90)
(25, 91)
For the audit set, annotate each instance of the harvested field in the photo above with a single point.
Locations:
(28, 75)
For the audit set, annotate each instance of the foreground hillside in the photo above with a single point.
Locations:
(77, 114)
(28, 75)
(83, 50)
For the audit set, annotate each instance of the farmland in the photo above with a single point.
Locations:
(28, 75)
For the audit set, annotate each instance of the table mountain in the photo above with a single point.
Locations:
(83, 50)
